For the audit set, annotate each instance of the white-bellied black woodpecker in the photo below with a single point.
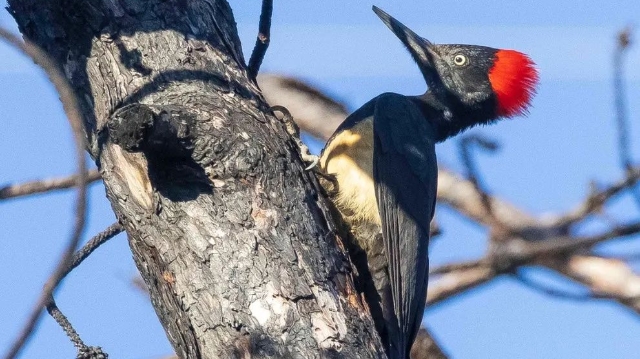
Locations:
(384, 162)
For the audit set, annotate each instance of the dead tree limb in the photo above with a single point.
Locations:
(262, 42)
(229, 232)
(72, 110)
(42, 186)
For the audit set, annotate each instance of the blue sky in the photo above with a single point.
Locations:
(545, 164)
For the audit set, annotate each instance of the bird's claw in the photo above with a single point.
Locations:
(311, 159)
(294, 131)
(329, 182)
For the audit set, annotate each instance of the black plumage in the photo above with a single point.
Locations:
(384, 162)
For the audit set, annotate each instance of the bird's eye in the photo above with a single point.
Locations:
(460, 60)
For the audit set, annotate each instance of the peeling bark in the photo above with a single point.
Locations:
(229, 232)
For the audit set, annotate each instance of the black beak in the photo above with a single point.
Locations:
(421, 49)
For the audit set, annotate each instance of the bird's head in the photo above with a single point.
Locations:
(474, 84)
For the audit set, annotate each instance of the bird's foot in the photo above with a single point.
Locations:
(307, 157)
(294, 131)
(329, 182)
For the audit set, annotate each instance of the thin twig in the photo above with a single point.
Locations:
(62, 320)
(95, 242)
(74, 115)
(624, 40)
(84, 351)
(554, 292)
(610, 278)
(622, 120)
(47, 185)
(559, 245)
(78, 257)
(453, 267)
(459, 277)
(473, 174)
(457, 282)
(426, 347)
(596, 199)
(262, 42)
(462, 196)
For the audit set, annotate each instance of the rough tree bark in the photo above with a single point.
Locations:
(227, 229)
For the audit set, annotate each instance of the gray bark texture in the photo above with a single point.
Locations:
(229, 232)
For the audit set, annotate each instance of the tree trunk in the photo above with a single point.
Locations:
(228, 231)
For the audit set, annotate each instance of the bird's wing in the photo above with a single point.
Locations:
(405, 175)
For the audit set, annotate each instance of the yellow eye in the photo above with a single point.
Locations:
(460, 60)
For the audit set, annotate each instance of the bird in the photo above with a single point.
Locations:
(383, 168)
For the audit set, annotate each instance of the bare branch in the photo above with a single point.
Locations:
(564, 245)
(52, 307)
(84, 351)
(553, 292)
(596, 199)
(473, 174)
(262, 42)
(622, 121)
(462, 196)
(606, 277)
(47, 185)
(459, 277)
(72, 110)
(62, 320)
(453, 267)
(456, 282)
(93, 244)
(425, 347)
(623, 43)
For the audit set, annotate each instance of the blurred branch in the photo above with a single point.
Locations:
(138, 283)
(72, 110)
(630, 258)
(47, 185)
(473, 174)
(607, 277)
(454, 267)
(597, 199)
(553, 292)
(458, 281)
(623, 43)
(458, 277)
(462, 195)
(425, 347)
(567, 244)
(533, 242)
(622, 120)
(262, 42)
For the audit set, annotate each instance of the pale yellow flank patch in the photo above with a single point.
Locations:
(349, 156)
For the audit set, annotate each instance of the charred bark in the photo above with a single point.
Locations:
(229, 232)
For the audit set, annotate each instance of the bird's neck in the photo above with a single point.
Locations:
(450, 117)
